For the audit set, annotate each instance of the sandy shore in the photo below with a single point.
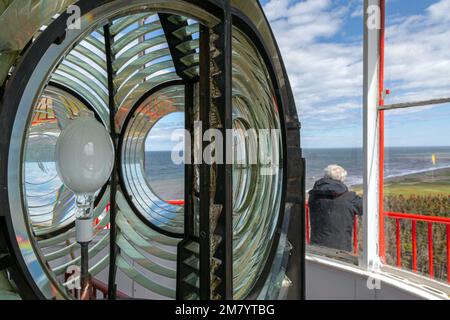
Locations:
(428, 182)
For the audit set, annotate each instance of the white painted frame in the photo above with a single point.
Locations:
(370, 259)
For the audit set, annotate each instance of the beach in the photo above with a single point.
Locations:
(423, 183)
(408, 170)
(400, 163)
(430, 182)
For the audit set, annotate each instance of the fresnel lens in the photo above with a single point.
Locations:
(84, 161)
(87, 181)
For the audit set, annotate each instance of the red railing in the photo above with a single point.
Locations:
(176, 202)
(97, 286)
(430, 220)
(381, 92)
(398, 217)
(98, 220)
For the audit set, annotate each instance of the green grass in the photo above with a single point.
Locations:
(427, 183)
(425, 193)
(416, 189)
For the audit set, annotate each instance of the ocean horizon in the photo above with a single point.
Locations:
(166, 179)
(399, 161)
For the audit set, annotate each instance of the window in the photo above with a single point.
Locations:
(417, 55)
(49, 204)
(415, 151)
(417, 190)
(326, 74)
(146, 144)
(164, 177)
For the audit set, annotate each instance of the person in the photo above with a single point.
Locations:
(332, 210)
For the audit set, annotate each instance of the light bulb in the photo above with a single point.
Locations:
(84, 161)
(84, 155)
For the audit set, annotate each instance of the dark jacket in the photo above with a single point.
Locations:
(332, 212)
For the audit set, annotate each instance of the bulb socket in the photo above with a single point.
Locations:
(84, 230)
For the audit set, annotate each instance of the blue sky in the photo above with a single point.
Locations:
(160, 136)
(325, 68)
(321, 44)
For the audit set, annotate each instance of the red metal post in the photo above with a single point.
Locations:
(382, 40)
(417, 217)
(381, 240)
(448, 253)
(430, 220)
(430, 250)
(176, 202)
(414, 245)
(355, 236)
(399, 248)
(308, 238)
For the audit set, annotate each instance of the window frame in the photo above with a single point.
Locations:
(372, 256)
(374, 249)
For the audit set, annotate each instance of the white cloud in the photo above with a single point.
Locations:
(418, 56)
(276, 9)
(358, 12)
(440, 11)
(323, 54)
(325, 74)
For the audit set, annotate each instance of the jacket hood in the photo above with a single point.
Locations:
(329, 187)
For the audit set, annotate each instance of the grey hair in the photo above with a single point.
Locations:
(336, 172)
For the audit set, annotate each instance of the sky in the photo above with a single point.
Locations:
(321, 44)
(160, 136)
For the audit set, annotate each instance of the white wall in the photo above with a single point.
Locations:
(330, 280)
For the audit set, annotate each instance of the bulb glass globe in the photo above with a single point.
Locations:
(84, 155)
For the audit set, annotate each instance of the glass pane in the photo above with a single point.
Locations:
(323, 50)
(165, 177)
(50, 205)
(417, 189)
(417, 55)
(141, 166)
(257, 167)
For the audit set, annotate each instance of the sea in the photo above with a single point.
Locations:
(166, 179)
(399, 161)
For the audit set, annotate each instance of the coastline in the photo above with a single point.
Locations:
(430, 182)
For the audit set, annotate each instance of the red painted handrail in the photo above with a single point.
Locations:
(399, 244)
(430, 220)
(399, 216)
(430, 250)
(97, 286)
(381, 237)
(414, 244)
(308, 236)
(448, 253)
(417, 217)
(176, 202)
(100, 286)
(355, 236)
